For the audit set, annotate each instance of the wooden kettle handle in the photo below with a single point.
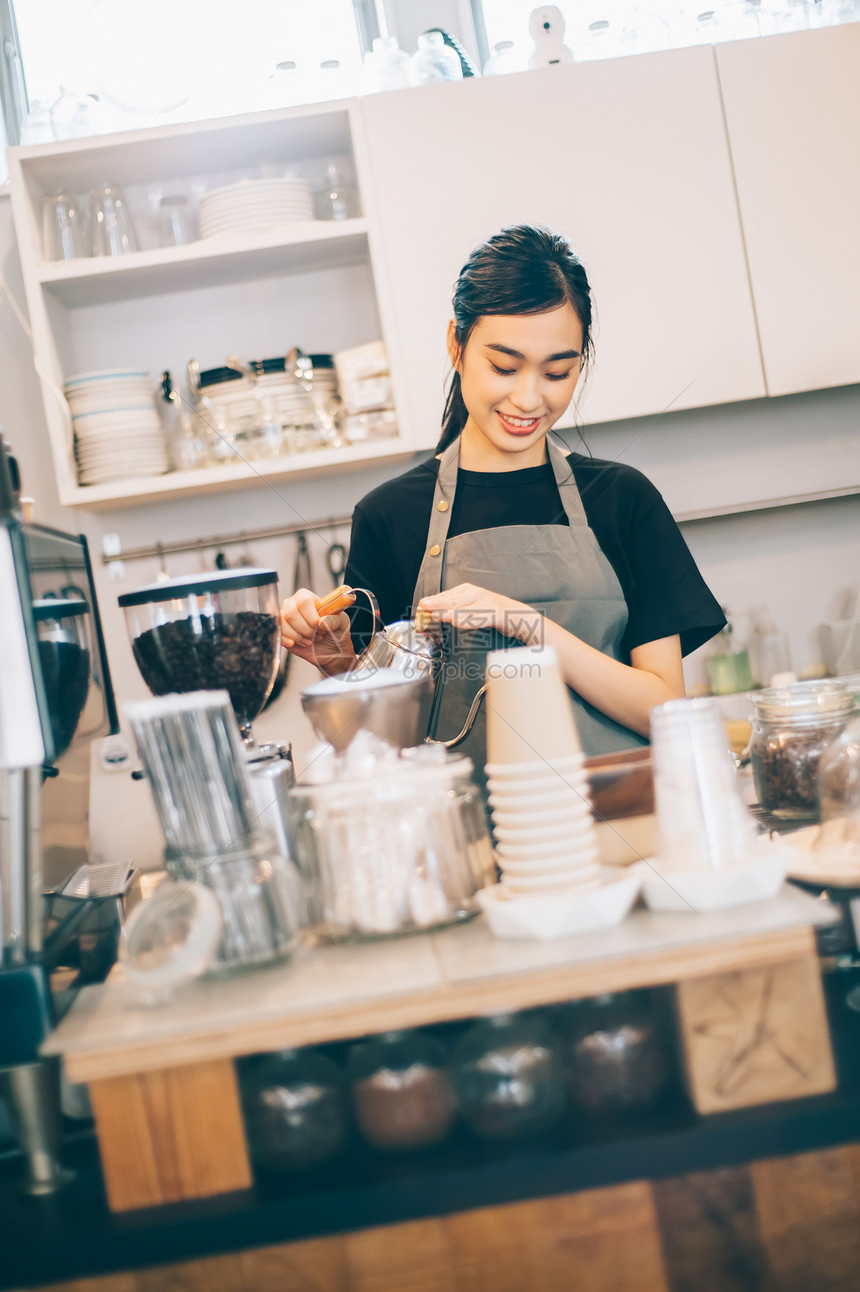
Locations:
(336, 601)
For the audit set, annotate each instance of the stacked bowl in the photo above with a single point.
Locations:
(253, 206)
(546, 841)
(117, 430)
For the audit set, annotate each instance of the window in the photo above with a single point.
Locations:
(156, 61)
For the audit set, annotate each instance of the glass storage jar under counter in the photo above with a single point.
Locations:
(508, 1077)
(792, 727)
(295, 1108)
(612, 1052)
(401, 1090)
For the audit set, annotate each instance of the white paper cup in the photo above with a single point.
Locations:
(526, 771)
(528, 869)
(514, 800)
(572, 821)
(556, 849)
(523, 834)
(553, 884)
(552, 782)
(510, 813)
(528, 706)
(542, 864)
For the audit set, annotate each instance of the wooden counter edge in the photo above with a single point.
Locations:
(447, 1002)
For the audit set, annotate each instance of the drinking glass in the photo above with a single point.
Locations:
(112, 229)
(63, 233)
(176, 221)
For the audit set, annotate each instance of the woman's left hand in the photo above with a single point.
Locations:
(469, 607)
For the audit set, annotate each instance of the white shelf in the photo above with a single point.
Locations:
(179, 484)
(317, 281)
(766, 504)
(210, 262)
(251, 140)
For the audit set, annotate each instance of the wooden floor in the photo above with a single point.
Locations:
(784, 1225)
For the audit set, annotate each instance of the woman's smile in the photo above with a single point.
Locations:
(519, 425)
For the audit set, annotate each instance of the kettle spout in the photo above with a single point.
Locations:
(467, 726)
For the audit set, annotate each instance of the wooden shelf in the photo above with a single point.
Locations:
(179, 484)
(336, 992)
(211, 262)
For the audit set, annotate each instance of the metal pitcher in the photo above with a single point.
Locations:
(394, 687)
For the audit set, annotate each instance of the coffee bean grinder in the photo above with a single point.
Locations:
(219, 631)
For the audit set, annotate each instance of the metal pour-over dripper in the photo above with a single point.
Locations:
(392, 689)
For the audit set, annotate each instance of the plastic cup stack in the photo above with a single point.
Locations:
(546, 841)
(702, 823)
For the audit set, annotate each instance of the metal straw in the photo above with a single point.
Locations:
(190, 750)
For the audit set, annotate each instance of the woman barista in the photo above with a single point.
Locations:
(512, 540)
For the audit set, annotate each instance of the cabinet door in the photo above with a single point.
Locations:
(629, 160)
(793, 113)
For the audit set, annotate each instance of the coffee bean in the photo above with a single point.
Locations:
(234, 652)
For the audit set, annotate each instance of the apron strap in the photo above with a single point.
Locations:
(429, 582)
(567, 487)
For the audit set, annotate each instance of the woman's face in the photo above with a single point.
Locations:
(518, 373)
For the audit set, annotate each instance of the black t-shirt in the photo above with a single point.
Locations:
(664, 591)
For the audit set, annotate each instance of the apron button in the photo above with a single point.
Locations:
(435, 549)
(443, 506)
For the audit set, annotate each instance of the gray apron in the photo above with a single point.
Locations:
(559, 571)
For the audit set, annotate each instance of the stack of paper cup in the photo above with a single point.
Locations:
(536, 777)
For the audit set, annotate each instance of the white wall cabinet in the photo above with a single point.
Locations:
(793, 115)
(710, 193)
(311, 284)
(629, 159)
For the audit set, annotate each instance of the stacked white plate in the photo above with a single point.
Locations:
(291, 401)
(545, 838)
(232, 401)
(118, 433)
(254, 206)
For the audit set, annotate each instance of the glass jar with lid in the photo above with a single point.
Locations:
(613, 1053)
(508, 1077)
(792, 727)
(399, 848)
(402, 1090)
(295, 1108)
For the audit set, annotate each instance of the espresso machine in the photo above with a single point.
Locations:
(55, 699)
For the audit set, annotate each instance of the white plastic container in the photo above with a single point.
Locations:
(433, 60)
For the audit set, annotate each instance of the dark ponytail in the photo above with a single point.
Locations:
(522, 270)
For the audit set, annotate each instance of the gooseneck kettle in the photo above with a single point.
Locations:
(393, 689)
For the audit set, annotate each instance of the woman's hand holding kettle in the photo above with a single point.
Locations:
(317, 630)
(469, 607)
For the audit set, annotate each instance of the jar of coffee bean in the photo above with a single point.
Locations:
(213, 632)
(792, 727)
(612, 1052)
(508, 1077)
(401, 1090)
